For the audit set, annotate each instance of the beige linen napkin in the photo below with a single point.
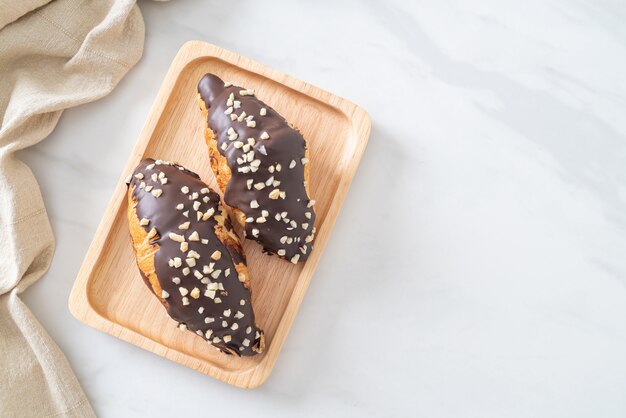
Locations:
(53, 55)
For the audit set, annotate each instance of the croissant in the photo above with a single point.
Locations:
(190, 257)
(262, 166)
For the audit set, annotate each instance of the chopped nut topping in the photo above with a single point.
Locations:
(186, 214)
(227, 338)
(180, 206)
(183, 291)
(239, 315)
(182, 327)
(208, 319)
(191, 262)
(251, 124)
(176, 237)
(292, 164)
(157, 192)
(164, 294)
(195, 293)
(184, 189)
(245, 342)
(279, 167)
(227, 313)
(184, 226)
(176, 280)
(295, 258)
(178, 262)
(148, 188)
(144, 222)
(186, 271)
(255, 232)
(216, 255)
(254, 204)
(185, 301)
(234, 326)
(247, 92)
(208, 214)
(197, 274)
(263, 111)
(194, 236)
(281, 252)
(259, 186)
(274, 194)
(310, 204)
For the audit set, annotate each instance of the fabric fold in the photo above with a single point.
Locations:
(53, 55)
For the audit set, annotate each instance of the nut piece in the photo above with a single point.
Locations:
(274, 194)
(216, 255)
(176, 237)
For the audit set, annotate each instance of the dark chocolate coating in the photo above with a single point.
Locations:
(224, 307)
(290, 236)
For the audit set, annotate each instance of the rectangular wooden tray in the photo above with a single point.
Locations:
(109, 294)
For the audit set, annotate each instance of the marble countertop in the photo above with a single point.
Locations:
(478, 266)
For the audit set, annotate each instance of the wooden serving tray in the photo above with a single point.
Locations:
(109, 293)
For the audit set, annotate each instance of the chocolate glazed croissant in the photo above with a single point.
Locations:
(189, 256)
(261, 164)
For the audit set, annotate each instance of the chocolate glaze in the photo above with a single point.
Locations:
(223, 308)
(285, 146)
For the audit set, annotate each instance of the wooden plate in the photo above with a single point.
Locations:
(109, 294)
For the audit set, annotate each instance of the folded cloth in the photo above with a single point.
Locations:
(53, 55)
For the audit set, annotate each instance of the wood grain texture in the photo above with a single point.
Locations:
(109, 293)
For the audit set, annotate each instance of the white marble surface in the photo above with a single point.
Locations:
(478, 266)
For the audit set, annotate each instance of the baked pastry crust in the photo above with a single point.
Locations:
(190, 257)
(282, 171)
